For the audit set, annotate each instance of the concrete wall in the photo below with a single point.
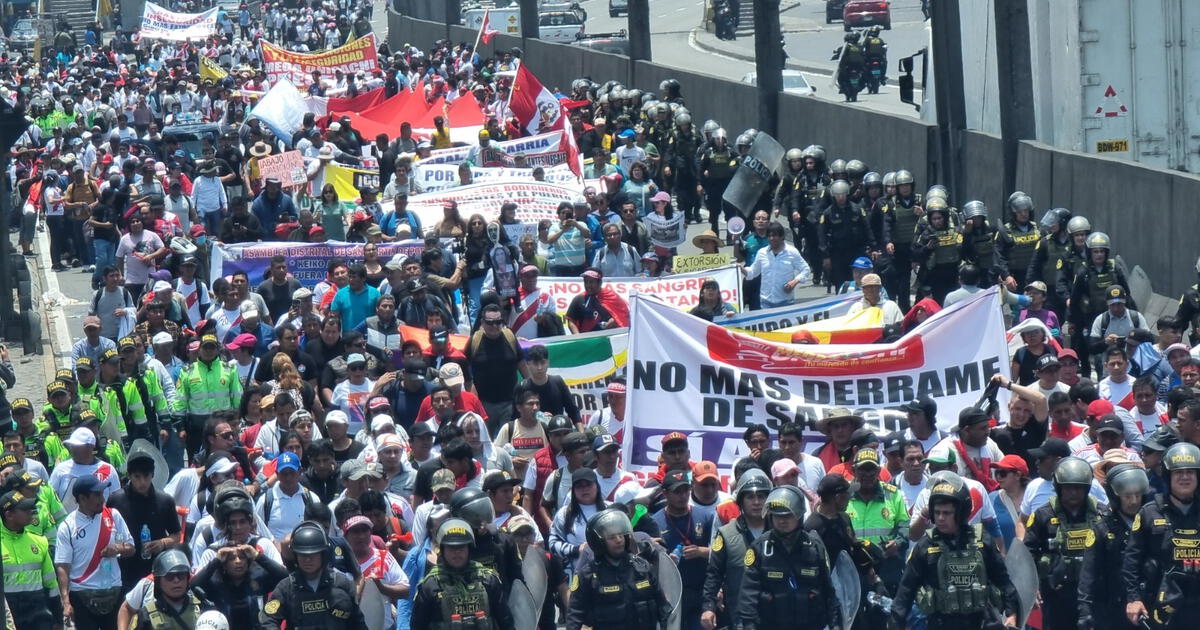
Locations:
(983, 173)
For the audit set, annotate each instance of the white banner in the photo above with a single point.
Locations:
(436, 177)
(547, 143)
(282, 110)
(680, 291)
(159, 23)
(709, 382)
(535, 201)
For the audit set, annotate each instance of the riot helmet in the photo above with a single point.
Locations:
(837, 169)
(1098, 240)
(719, 134)
(946, 486)
(839, 187)
(786, 500)
(744, 140)
(1182, 456)
(455, 532)
(1125, 479)
(889, 179)
(872, 179)
(903, 177)
(683, 119)
(793, 154)
(753, 480)
(938, 191)
(1019, 201)
(1072, 471)
(974, 208)
(172, 561)
(605, 523)
(310, 538)
(816, 152)
(937, 204)
(855, 169)
(1077, 224)
(473, 506)
(710, 127)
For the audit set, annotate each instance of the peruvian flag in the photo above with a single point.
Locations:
(533, 105)
(486, 32)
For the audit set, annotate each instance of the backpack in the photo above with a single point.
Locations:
(100, 292)
(477, 340)
(269, 501)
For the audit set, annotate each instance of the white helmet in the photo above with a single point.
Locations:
(212, 620)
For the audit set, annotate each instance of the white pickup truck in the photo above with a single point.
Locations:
(559, 26)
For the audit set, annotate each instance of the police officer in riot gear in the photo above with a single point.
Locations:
(837, 170)
(458, 592)
(844, 233)
(1101, 594)
(875, 202)
(313, 596)
(814, 184)
(725, 566)
(1074, 259)
(855, 171)
(900, 227)
(1188, 313)
(1053, 243)
(937, 247)
(174, 606)
(617, 588)
(716, 171)
(979, 242)
(1161, 567)
(493, 549)
(957, 581)
(1057, 534)
(680, 166)
(789, 195)
(1088, 294)
(1016, 242)
(787, 576)
(875, 50)
(850, 68)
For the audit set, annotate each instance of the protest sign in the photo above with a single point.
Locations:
(360, 55)
(589, 361)
(159, 23)
(681, 291)
(546, 149)
(698, 262)
(865, 326)
(686, 374)
(287, 167)
(535, 201)
(435, 177)
(306, 261)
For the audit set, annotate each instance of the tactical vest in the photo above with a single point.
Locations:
(1098, 284)
(721, 164)
(852, 55)
(623, 596)
(1060, 566)
(63, 431)
(983, 245)
(874, 47)
(463, 597)
(1024, 244)
(1173, 567)
(789, 580)
(1055, 250)
(904, 228)
(683, 150)
(962, 583)
(733, 541)
(946, 251)
(155, 617)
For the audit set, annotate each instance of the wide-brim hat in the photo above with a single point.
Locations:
(707, 235)
(836, 414)
(260, 149)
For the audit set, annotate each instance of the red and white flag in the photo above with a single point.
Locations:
(486, 32)
(534, 106)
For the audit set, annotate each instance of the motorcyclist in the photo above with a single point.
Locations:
(875, 51)
(850, 67)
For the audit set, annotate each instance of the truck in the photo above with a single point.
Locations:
(506, 20)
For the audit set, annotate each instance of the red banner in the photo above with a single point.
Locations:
(360, 55)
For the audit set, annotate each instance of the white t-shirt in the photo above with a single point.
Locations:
(621, 487)
(1150, 421)
(1039, 491)
(989, 450)
(380, 564)
(75, 544)
(286, 511)
(352, 399)
(67, 471)
(226, 319)
(812, 470)
(910, 491)
(141, 593)
(981, 507)
(1119, 394)
(136, 271)
(607, 419)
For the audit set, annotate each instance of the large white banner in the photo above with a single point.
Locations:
(688, 375)
(436, 177)
(535, 201)
(159, 23)
(541, 150)
(680, 291)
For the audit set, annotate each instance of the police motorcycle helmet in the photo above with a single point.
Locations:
(168, 562)
(850, 38)
(310, 538)
(947, 486)
(974, 208)
(839, 187)
(872, 179)
(473, 506)
(1125, 479)
(1182, 456)
(837, 169)
(855, 169)
(1072, 471)
(786, 500)
(605, 523)
(1098, 240)
(455, 532)
(230, 500)
(904, 176)
(1079, 223)
(1019, 201)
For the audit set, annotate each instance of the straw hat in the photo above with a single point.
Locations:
(707, 235)
(260, 149)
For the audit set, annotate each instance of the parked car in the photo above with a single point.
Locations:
(833, 10)
(615, 43)
(794, 82)
(617, 7)
(24, 34)
(859, 13)
(559, 26)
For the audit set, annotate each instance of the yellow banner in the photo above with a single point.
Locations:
(864, 326)
(209, 70)
(698, 262)
(360, 55)
(347, 181)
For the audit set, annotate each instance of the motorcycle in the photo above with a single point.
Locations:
(875, 76)
(849, 80)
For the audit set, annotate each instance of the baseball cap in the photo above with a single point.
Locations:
(389, 440)
(1067, 353)
(442, 480)
(337, 416)
(161, 338)
(87, 416)
(893, 442)
(418, 429)
(783, 466)
(22, 404)
(1014, 462)
(1048, 362)
(584, 474)
(86, 485)
(1036, 285)
(970, 416)
(1115, 294)
(439, 333)
(81, 437)
(125, 343)
(1111, 423)
(352, 470)
(862, 437)
(832, 484)
(91, 321)
(242, 341)
(451, 374)
(287, 460)
(355, 359)
(378, 402)
(207, 340)
(675, 479)
(703, 471)
(603, 441)
(924, 404)
(381, 422)
(1052, 447)
(866, 457)
(303, 293)
(497, 478)
(1099, 408)
(871, 280)
(518, 523)
(358, 520)
(17, 500)
(84, 364)
(248, 310)
(56, 387)
(674, 436)
(8, 459)
(940, 456)
(110, 355)
(161, 285)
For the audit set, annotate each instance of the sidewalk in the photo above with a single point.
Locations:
(33, 371)
(742, 48)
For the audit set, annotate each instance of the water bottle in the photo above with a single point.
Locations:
(678, 553)
(144, 536)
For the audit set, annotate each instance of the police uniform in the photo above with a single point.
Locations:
(979, 249)
(1188, 313)
(720, 165)
(624, 595)
(30, 585)
(331, 606)
(958, 582)
(497, 551)
(900, 226)
(1016, 245)
(845, 234)
(939, 254)
(681, 149)
(156, 615)
(1101, 596)
(725, 566)
(1161, 566)
(1057, 539)
(1089, 299)
(1047, 257)
(473, 594)
(786, 580)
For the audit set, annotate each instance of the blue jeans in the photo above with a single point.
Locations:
(105, 255)
(474, 289)
(212, 223)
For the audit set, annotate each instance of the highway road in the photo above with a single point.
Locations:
(679, 40)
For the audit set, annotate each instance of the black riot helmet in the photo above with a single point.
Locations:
(310, 538)
(605, 523)
(473, 506)
(947, 487)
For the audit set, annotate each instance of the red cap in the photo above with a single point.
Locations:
(244, 340)
(1099, 407)
(1014, 462)
(673, 437)
(1067, 352)
(107, 159)
(197, 230)
(316, 229)
(704, 470)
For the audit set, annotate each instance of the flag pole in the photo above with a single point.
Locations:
(479, 35)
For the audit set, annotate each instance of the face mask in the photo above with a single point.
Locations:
(201, 240)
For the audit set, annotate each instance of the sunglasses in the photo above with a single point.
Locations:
(228, 435)
(492, 322)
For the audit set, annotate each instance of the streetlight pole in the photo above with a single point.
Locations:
(768, 61)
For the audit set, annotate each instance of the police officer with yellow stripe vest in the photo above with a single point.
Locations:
(617, 588)
(459, 593)
(1161, 569)
(30, 586)
(959, 582)
(313, 596)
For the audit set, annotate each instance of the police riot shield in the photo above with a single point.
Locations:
(142, 447)
(525, 613)
(373, 606)
(672, 586)
(848, 588)
(1023, 573)
(1140, 288)
(754, 172)
(533, 572)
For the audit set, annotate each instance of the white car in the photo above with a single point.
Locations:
(794, 82)
(559, 26)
